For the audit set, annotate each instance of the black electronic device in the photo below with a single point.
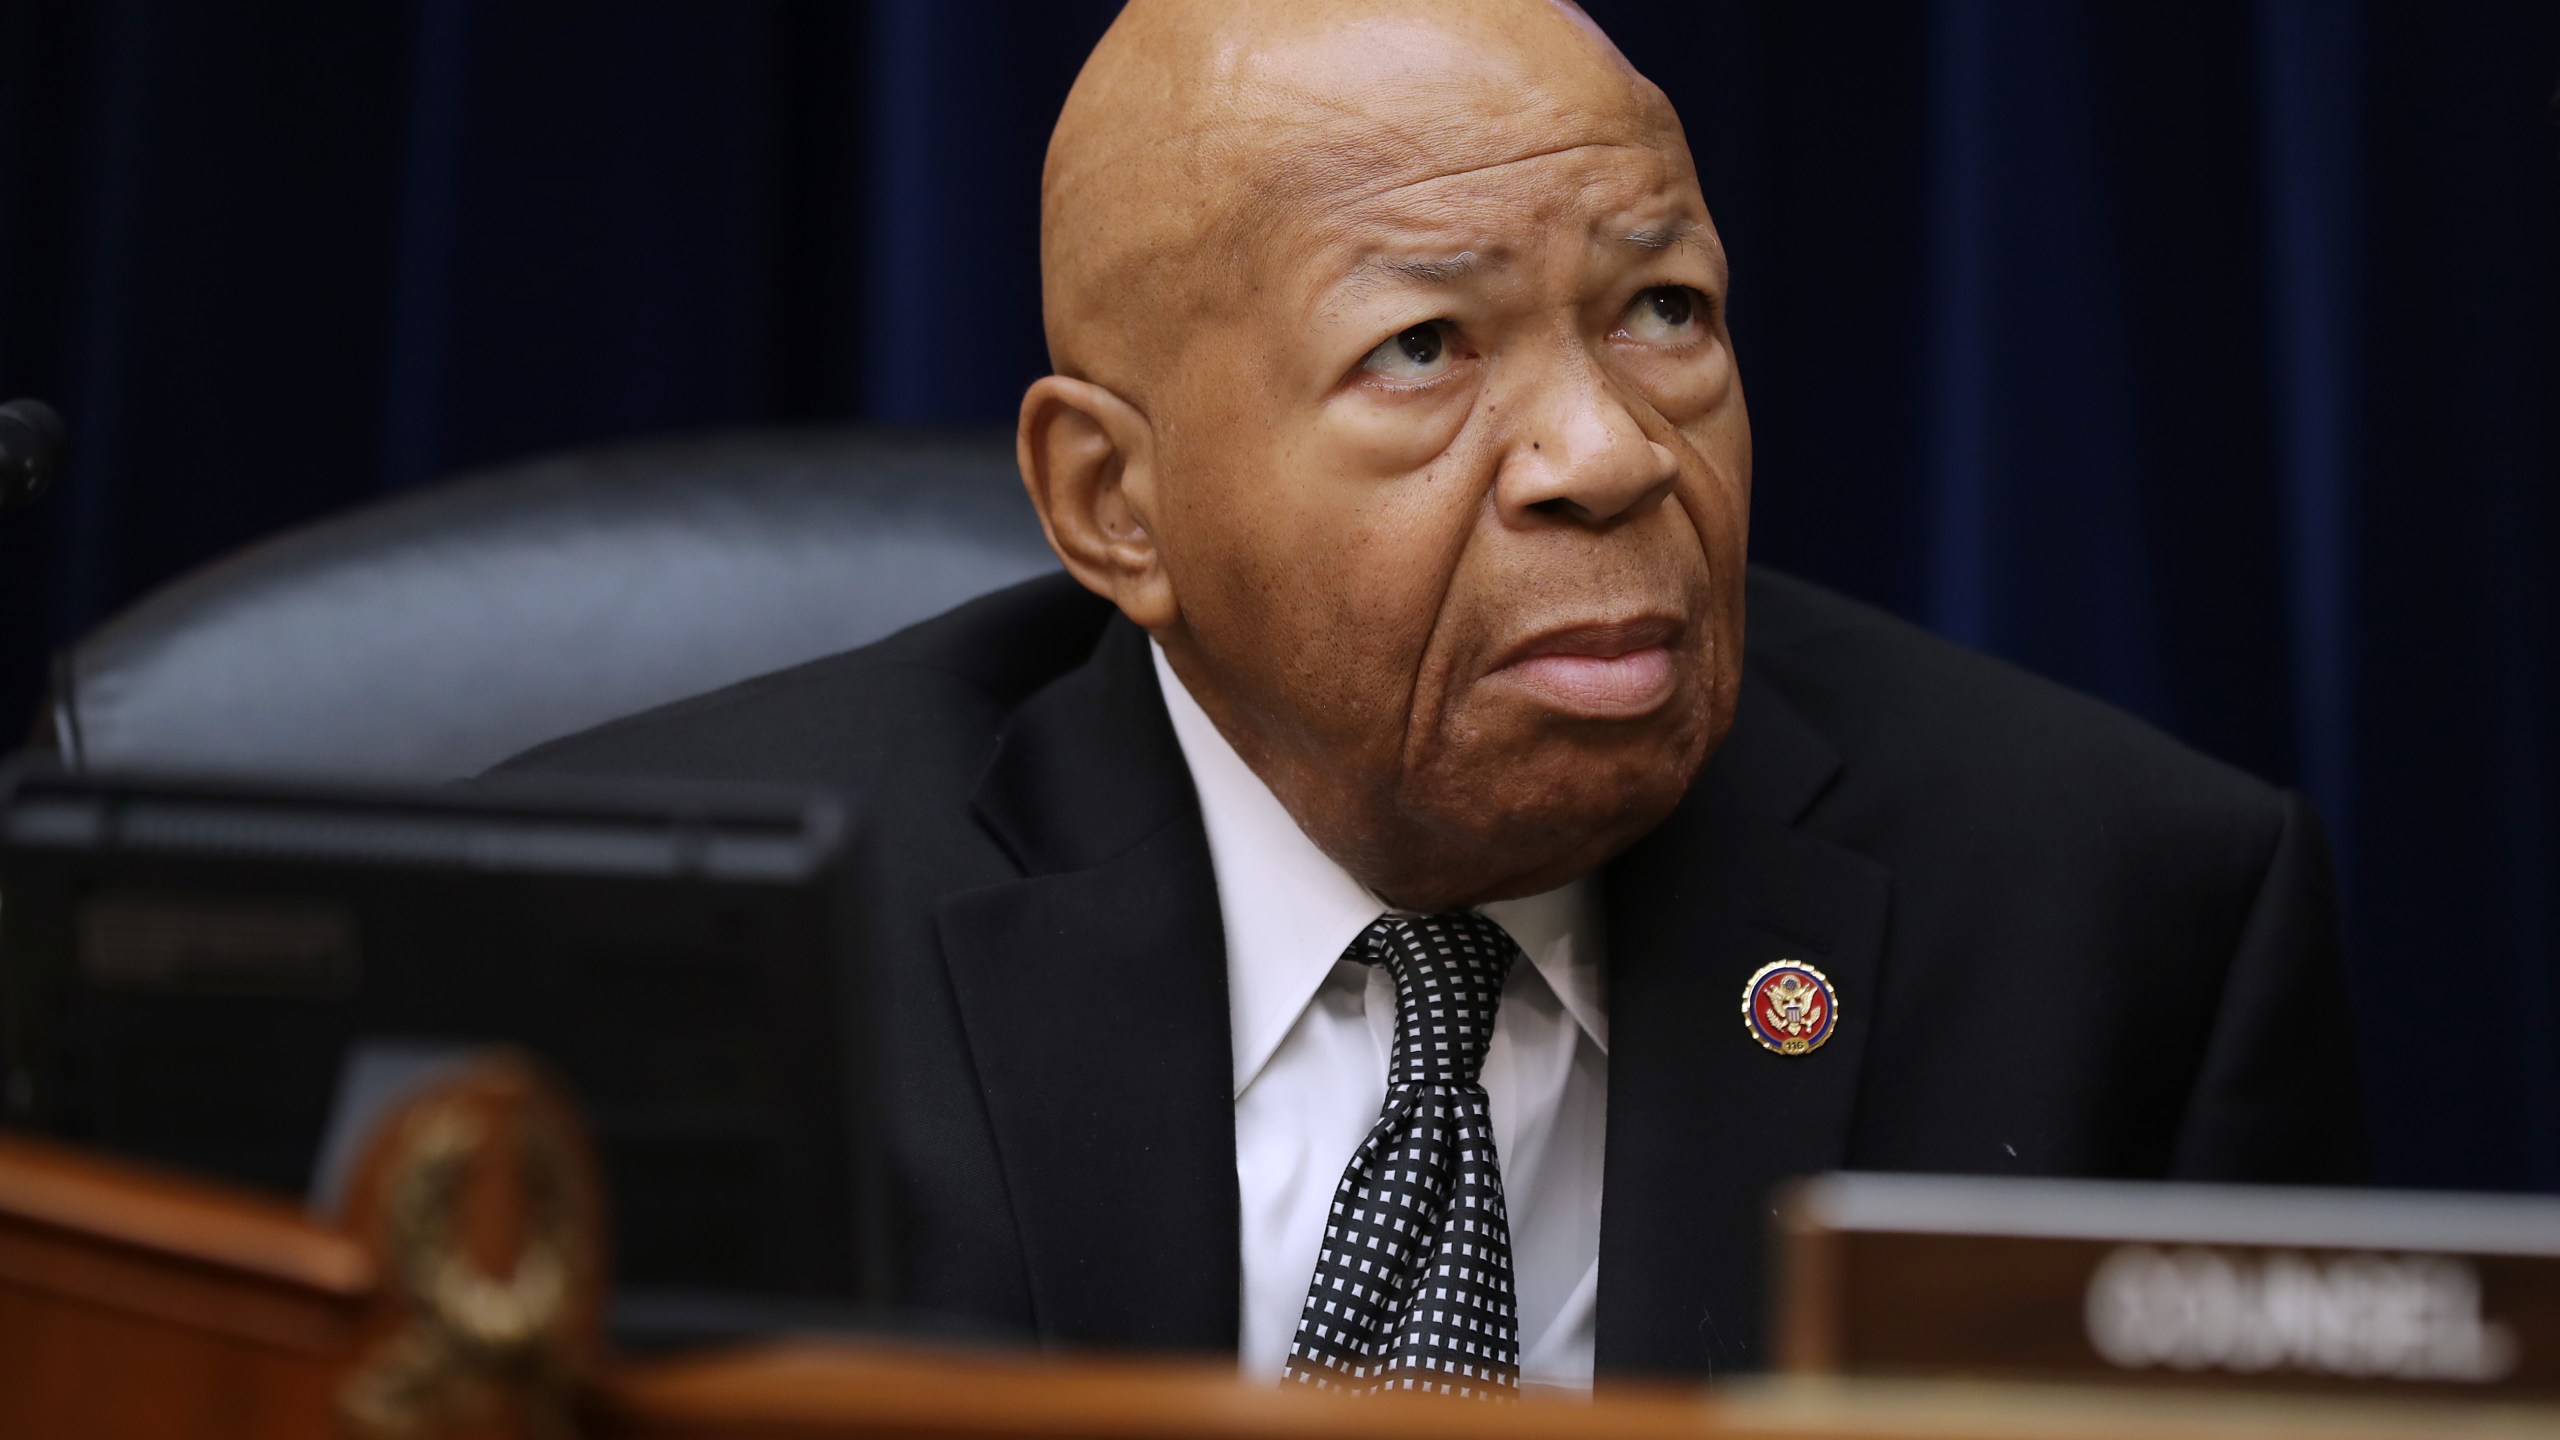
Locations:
(191, 972)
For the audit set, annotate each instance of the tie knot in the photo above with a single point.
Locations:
(1448, 971)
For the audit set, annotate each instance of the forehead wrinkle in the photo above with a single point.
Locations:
(1604, 201)
(1376, 264)
(1390, 187)
(1428, 216)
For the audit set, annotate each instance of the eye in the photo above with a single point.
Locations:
(1408, 356)
(1666, 315)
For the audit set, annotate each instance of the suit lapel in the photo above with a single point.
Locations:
(1702, 1120)
(1094, 995)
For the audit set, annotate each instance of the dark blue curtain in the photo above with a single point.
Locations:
(2202, 355)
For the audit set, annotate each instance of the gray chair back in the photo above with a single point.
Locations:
(431, 636)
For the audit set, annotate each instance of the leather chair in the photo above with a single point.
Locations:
(431, 636)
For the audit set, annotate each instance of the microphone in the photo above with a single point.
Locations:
(30, 452)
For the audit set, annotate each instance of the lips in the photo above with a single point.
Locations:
(1611, 669)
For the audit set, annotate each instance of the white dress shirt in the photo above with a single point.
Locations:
(1312, 1034)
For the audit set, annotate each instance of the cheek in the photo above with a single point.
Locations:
(1393, 493)
(1716, 488)
(1716, 493)
(1385, 573)
(1317, 586)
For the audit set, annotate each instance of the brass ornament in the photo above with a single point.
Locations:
(469, 1340)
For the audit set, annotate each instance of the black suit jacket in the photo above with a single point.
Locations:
(2063, 946)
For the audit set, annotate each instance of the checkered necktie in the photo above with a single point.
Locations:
(1413, 1288)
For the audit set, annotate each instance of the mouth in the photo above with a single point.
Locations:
(1604, 670)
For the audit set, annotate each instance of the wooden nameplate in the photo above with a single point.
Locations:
(2132, 1282)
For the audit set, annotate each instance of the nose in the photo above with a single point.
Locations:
(1581, 455)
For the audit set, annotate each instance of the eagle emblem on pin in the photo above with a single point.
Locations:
(1790, 1007)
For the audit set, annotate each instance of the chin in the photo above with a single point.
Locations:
(1507, 825)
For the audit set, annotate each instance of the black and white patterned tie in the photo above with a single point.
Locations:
(1412, 1289)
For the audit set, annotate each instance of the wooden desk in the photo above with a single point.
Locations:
(809, 1390)
(142, 1306)
(134, 1304)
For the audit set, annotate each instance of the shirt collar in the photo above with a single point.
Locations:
(1559, 930)
(1289, 912)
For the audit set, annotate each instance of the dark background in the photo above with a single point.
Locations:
(2202, 355)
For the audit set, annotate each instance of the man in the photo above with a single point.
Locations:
(1379, 915)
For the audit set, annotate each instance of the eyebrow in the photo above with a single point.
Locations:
(1661, 237)
(1432, 270)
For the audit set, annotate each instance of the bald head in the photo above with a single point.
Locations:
(1203, 132)
(1393, 398)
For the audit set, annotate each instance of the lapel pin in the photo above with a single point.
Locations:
(1790, 1007)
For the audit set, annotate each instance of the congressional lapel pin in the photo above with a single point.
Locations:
(1790, 1007)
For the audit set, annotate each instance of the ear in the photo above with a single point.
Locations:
(1088, 459)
